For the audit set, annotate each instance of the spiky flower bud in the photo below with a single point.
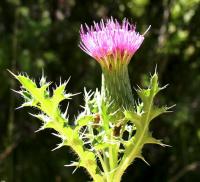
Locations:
(113, 44)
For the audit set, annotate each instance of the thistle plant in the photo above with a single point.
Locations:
(112, 128)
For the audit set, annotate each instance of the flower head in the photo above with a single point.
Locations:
(110, 42)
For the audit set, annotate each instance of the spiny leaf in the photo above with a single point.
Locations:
(31, 87)
(42, 117)
(84, 120)
(133, 117)
(140, 156)
(89, 160)
(72, 164)
(27, 104)
(59, 93)
(139, 108)
(154, 84)
(26, 82)
(152, 140)
(144, 94)
(100, 146)
(63, 143)
(156, 111)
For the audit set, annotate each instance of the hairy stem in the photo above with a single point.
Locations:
(134, 149)
(116, 89)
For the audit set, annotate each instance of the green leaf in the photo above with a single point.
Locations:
(89, 160)
(133, 117)
(83, 120)
(144, 94)
(140, 156)
(59, 93)
(101, 146)
(157, 111)
(154, 84)
(152, 140)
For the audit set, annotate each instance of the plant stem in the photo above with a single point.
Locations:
(126, 161)
(116, 89)
(104, 166)
(134, 150)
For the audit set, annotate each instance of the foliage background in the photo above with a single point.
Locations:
(38, 35)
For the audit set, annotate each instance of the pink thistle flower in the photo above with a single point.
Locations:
(110, 42)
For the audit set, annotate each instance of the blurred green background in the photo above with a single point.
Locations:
(38, 35)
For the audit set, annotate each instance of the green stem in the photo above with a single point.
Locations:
(113, 153)
(116, 89)
(134, 150)
(104, 166)
(96, 177)
(126, 161)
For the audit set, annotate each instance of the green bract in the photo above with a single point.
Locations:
(98, 133)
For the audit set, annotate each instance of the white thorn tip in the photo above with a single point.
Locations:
(146, 30)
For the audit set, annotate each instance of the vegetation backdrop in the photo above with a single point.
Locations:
(38, 35)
